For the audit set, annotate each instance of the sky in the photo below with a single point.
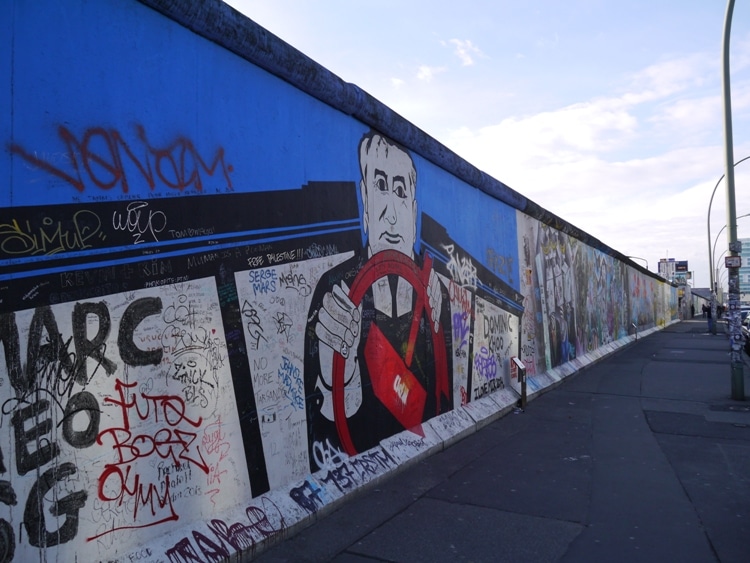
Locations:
(607, 113)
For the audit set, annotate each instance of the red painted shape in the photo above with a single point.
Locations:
(382, 264)
(393, 383)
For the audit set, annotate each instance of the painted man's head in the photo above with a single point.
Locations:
(388, 188)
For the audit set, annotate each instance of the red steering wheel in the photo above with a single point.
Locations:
(380, 265)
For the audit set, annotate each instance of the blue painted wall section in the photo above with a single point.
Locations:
(235, 288)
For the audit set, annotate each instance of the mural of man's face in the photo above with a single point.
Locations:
(388, 197)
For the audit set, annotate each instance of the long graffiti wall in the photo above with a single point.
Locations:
(230, 296)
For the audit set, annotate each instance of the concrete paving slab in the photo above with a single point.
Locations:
(637, 503)
(563, 406)
(438, 530)
(683, 424)
(687, 381)
(716, 476)
(543, 471)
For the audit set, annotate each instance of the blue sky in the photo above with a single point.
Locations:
(607, 113)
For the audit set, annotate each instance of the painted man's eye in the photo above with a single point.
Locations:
(400, 190)
(380, 184)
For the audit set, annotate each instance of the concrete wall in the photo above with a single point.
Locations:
(234, 288)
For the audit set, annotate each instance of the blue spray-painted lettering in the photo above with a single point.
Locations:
(263, 281)
(291, 378)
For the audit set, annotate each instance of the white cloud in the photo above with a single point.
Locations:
(591, 143)
(689, 113)
(669, 77)
(464, 50)
(547, 138)
(426, 73)
(548, 42)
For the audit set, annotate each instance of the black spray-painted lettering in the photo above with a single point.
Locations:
(83, 402)
(134, 314)
(46, 450)
(7, 541)
(68, 506)
(183, 551)
(7, 537)
(211, 550)
(39, 354)
(9, 338)
(94, 348)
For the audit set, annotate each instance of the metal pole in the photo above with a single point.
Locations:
(710, 254)
(716, 241)
(735, 247)
(708, 222)
(718, 261)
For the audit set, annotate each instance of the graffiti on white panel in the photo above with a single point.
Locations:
(222, 539)
(275, 301)
(495, 343)
(462, 314)
(556, 281)
(341, 478)
(116, 428)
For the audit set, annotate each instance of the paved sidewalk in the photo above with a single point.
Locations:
(642, 457)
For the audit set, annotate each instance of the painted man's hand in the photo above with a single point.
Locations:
(339, 321)
(339, 329)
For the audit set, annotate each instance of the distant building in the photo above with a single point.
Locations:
(675, 270)
(745, 271)
(667, 268)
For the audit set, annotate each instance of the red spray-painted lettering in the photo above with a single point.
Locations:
(121, 480)
(101, 158)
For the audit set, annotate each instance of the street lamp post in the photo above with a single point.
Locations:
(735, 247)
(639, 258)
(718, 262)
(708, 221)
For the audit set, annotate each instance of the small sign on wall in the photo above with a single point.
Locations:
(517, 370)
